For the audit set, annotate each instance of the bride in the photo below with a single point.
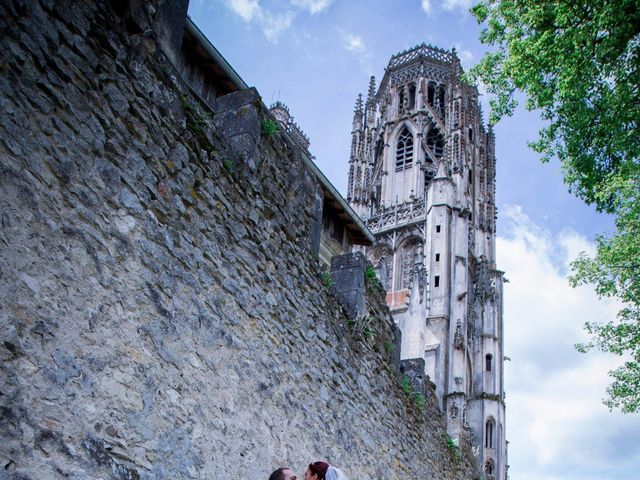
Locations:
(323, 471)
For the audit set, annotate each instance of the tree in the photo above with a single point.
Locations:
(578, 62)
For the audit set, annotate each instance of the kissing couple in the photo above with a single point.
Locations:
(315, 471)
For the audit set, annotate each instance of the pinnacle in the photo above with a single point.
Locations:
(358, 108)
(372, 89)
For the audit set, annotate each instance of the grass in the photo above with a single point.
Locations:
(369, 332)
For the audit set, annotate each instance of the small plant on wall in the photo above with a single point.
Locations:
(418, 399)
(228, 165)
(453, 448)
(364, 327)
(405, 383)
(371, 276)
(269, 128)
(327, 280)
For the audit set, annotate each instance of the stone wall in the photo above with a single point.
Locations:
(162, 314)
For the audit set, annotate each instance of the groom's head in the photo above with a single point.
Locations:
(283, 473)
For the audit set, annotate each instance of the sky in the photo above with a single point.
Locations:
(316, 56)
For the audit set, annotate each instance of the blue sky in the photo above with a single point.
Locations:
(316, 56)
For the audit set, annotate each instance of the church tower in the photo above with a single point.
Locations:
(422, 176)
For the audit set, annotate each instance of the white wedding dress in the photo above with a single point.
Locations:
(334, 473)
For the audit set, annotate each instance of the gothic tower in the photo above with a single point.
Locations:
(422, 176)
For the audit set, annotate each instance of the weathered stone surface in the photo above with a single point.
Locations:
(347, 272)
(413, 368)
(162, 315)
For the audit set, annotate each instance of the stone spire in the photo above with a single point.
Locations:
(371, 102)
(457, 66)
(358, 114)
(372, 90)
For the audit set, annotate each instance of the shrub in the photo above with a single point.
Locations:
(270, 128)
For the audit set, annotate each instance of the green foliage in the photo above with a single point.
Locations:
(389, 347)
(327, 280)
(578, 62)
(405, 383)
(228, 165)
(269, 127)
(364, 327)
(614, 272)
(417, 398)
(370, 275)
(419, 401)
(196, 126)
(195, 119)
(453, 448)
(369, 332)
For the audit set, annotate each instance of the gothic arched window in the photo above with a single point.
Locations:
(407, 258)
(412, 96)
(404, 149)
(431, 93)
(488, 360)
(435, 142)
(440, 99)
(489, 433)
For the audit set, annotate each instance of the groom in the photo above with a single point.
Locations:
(283, 473)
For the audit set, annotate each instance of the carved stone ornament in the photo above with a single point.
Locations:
(484, 287)
(458, 338)
(453, 412)
(419, 279)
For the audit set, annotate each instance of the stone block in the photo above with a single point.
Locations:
(245, 146)
(169, 26)
(238, 119)
(347, 272)
(244, 119)
(350, 260)
(235, 100)
(414, 369)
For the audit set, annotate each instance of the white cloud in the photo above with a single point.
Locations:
(426, 5)
(465, 56)
(274, 25)
(556, 424)
(464, 5)
(353, 43)
(356, 45)
(313, 6)
(271, 24)
(247, 9)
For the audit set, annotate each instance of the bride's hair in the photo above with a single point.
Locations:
(319, 468)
